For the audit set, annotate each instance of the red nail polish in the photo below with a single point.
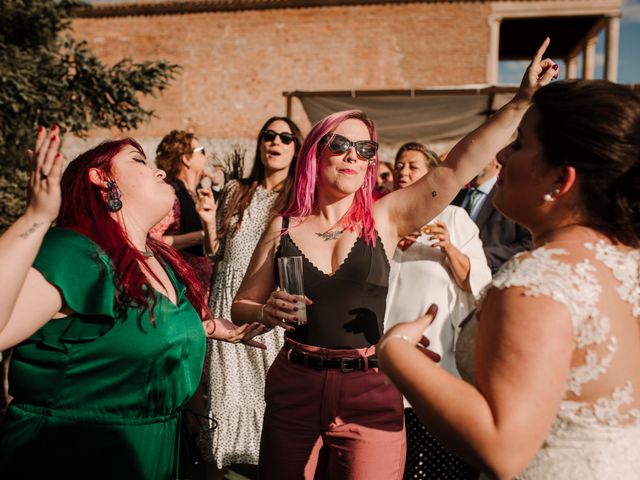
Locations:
(555, 76)
(54, 137)
(40, 129)
(54, 127)
(555, 66)
(295, 309)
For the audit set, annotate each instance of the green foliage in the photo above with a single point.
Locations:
(47, 77)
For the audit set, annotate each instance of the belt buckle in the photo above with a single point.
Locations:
(343, 365)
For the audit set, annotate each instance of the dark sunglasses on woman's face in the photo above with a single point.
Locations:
(338, 144)
(285, 137)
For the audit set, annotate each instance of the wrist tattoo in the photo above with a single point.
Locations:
(31, 229)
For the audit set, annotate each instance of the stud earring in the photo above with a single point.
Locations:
(551, 197)
(114, 195)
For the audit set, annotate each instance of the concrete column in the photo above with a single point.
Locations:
(572, 66)
(493, 56)
(611, 53)
(589, 63)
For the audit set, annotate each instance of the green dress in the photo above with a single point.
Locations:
(99, 394)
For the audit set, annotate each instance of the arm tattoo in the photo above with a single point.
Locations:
(434, 194)
(31, 229)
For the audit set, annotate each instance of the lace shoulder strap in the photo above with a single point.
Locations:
(625, 267)
(542, 273)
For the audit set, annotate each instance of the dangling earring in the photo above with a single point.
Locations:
(551, 197)
(113, 193)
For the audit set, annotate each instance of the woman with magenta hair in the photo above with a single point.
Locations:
(107, 322)
(330, 412)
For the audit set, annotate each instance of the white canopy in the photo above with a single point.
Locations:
(428, 116)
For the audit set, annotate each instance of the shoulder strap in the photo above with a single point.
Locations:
(285, 222)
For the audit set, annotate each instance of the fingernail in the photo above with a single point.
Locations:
(295, 300)
(555, 66)
(433, 309)
(54, 137)
(555, 76)
(295, 309)
(40, 129)
(54, 127)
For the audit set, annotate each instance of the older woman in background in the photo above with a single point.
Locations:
(184, 160)
(442, 263)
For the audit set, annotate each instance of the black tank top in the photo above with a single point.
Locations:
(348, 307)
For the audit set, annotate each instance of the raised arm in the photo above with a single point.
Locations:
(407, 209)
(499, 425)
(28, 301)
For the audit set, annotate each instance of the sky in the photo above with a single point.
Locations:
(629, 54)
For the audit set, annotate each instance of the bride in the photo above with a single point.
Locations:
(555, 392)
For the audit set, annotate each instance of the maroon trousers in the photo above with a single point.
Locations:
(328, 424)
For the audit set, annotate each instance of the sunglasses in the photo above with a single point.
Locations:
(285, 137)
(197, 150)
(366, 149)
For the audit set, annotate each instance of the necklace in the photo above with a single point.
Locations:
(146, 253)
(331, 234)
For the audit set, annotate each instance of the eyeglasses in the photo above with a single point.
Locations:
(197, 150)
(366, 149)
(285, 137)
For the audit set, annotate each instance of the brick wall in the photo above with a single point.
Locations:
(237, 64)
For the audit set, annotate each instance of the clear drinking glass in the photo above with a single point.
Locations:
(291, 281)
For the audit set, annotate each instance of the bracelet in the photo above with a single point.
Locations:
(392, 337)
(261, 313)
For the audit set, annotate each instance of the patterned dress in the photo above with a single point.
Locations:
(235, 374)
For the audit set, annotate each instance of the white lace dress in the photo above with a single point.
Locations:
(596, 432)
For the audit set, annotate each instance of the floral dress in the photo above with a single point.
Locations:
(235, 374)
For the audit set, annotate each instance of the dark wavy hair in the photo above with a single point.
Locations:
(594, 126)
(84, 209)
(243, 195)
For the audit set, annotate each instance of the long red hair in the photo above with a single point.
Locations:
(84, 209)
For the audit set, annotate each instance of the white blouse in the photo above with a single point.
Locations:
(421, 276)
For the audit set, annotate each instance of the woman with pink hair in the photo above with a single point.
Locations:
(330, 413)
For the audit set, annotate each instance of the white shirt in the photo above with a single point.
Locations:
(420, 276)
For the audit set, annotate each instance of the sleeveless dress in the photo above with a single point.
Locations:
(235, 374)
(99, 394)
(598, 439)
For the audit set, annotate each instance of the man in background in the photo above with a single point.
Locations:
(501, 238)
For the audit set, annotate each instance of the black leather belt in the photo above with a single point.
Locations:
(343, 364)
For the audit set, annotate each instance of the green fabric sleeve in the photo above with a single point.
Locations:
(80, 270)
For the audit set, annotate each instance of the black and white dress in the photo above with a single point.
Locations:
(235, 373)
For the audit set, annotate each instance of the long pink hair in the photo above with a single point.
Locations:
(305, 187)
(84, 209)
